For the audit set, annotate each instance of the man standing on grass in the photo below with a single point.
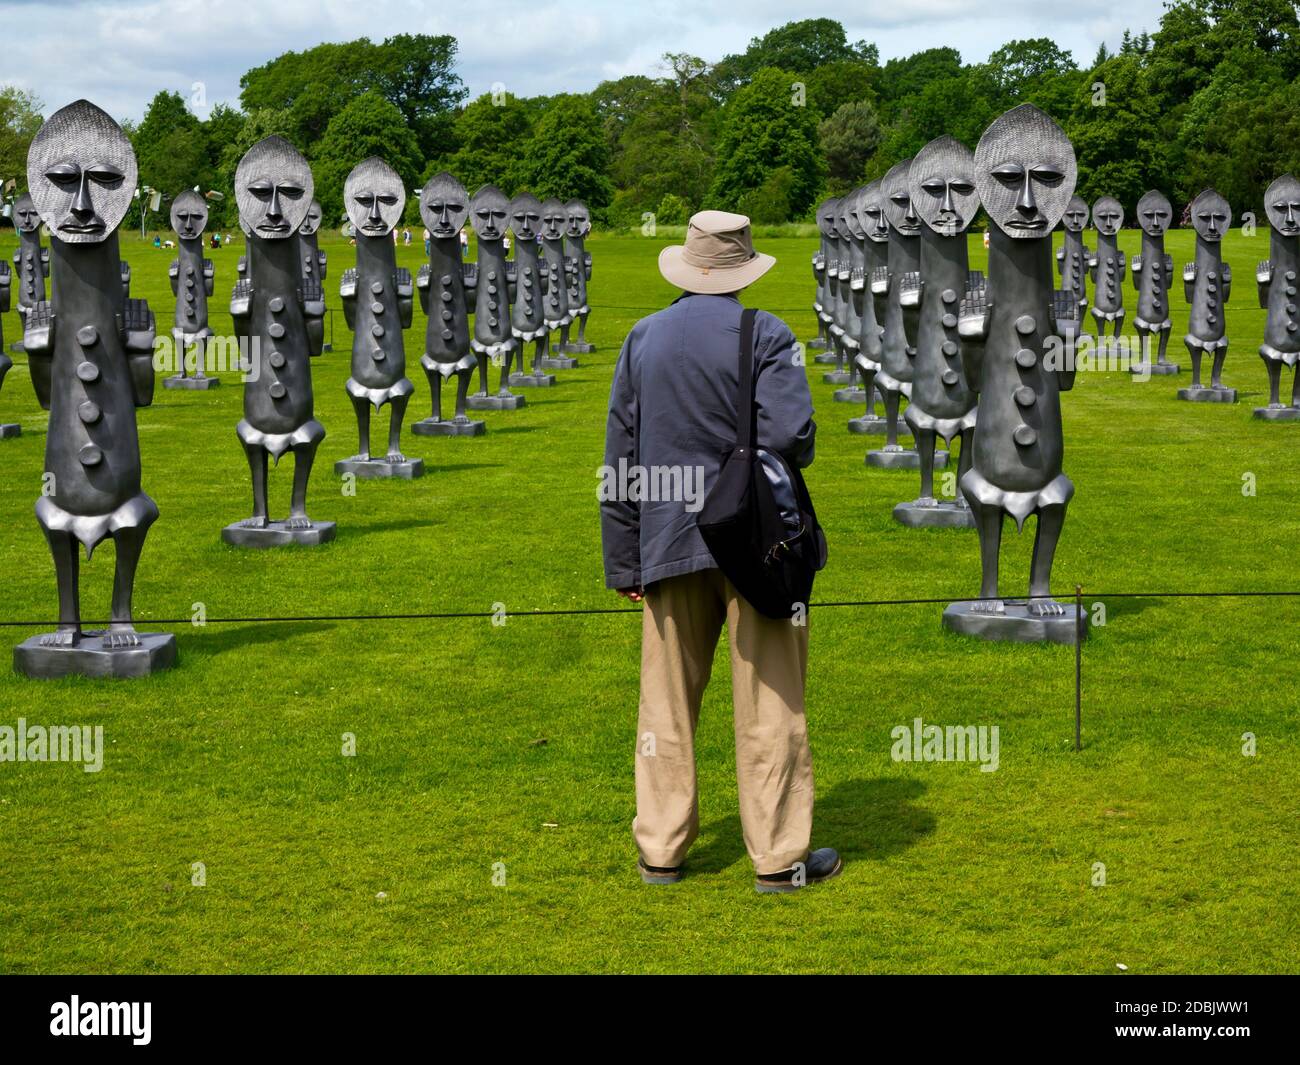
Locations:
(672, 417)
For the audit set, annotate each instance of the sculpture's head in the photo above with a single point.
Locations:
(898, 199)
(941, 183)
(579, 219)
(26, 218)
(1211, 216)
(444, 206)
(525, 216)
(828, 218)
(81, 173)
(1077, 214)
(374, 197)
(1025, 172)
(1282, 205)
(1108, 215)
(1154, 214)
(555, 219)
(273, 188)
(189, 215)
(871, 212)
(311, 223)
(489, 213)
(849, 222)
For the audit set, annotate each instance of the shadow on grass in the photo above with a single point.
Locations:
(863, 819)
(453, 466)
(512, 429)
(397, 525)
(216, 639)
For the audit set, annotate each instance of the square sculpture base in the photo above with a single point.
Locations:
(448, 427)
(88, 657)
(1208, 395)
(532, 380)
(1268, 414)
(275, 534)
(852, 394)
(905, 459)
(376, 469)
(559, 362)
(826, 356)
(496, 401)
(1016, 624)
(869, 425)
(11, 430)
(192, 384)
(1157, 369)
(573, 347)
(839, 377)
(937, 514)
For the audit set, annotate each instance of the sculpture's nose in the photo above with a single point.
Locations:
(82, 207)
(374, 215)
(947, 199)
(911, 214)
(1026, 203)
(1290, 215)
(273, 208)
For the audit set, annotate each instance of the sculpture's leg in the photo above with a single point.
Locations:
(869, 384)
(564, 338)
(462, 390)
(506, 360)
(482, 373)
(544, 346)
(67, 568)
(1163, 358)
(362, 406)
(1051, 519)
(1274, 367)
(396, 415)
(1295, 389)
(892, 398)
(988, 523)
(200, 357)
(925, 448)
(1119, 322)
(965, 461)
(582, 328)
(435, 392)
(182, 356)
(121, 628)
(1194, 350)
(539, 346)
(1144, 346)
(1216, 371)
(257, 462)
(303, 457)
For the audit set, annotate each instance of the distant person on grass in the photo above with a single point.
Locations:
(673, 406)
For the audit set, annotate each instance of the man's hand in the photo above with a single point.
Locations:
(636, 595)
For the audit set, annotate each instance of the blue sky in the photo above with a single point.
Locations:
(120, 54)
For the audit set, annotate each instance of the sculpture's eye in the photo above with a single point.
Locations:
(387, 199)
(261, 188)
(105, 174)
(290, 191)
(962, 188)
(900, 198)
(1047, 174)
(1009, 173)
(64, 174)
(434, 205)
(933, 186)
(365, 199)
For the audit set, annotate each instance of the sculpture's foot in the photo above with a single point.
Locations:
(295, 522)
(1016, 621)
(988, 606)
(363, 456)
(62, 638)
(1045, 607)
(394, 456)
(257, 521)
(120, 635)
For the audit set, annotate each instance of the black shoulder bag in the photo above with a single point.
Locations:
(758, 519)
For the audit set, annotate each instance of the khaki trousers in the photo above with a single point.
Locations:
(769, 665)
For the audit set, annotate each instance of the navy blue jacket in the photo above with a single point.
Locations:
(672, 414)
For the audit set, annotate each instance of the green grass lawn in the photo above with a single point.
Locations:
(481, 744)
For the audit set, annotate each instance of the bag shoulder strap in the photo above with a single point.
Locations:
(746, 427)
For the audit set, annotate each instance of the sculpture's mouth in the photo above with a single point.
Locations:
(909, 227)
(93, 226)
(1289, 229)
(273, 227)
(1027, 225)
(490, 233)
(379, 228)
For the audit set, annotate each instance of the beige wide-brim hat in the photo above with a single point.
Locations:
(718, 256)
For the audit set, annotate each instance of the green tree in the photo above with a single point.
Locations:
(369, 125)
(567, 155)
(20, 119)
(489, 136)
(849, 138)
(171, 148)
(1114, 142)
(843, 81)
(799, 47)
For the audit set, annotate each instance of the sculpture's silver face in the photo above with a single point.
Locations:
(898, 200)
(444, 206)
(1282, 204)
(489, 213)
(1154, 214)
(827, 216)
(311, 224)
(26, 218)
(525, 216)
(871, 213)
(81, 174)
(579, 219)
(850, 222)
(273, 188)
(1077, 214)
(941, 183)
(189, 215)
(374, 197)
(1108, 215)
(555, 219)
(1025, 172)
(1211, 216)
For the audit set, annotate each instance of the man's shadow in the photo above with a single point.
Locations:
(862, 819)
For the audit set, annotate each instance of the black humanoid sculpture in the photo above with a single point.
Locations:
(1107, 266)
(902, 307)
(444, 207)
(1024, 173)
(825, 270)
(1277, 294)
(527, 318)
(271, 309)
(1073, 257)
(7, 429)
(91, 356)
(579, 260)
(489, 214)
(555, 221)
(1207, 283)
(31, 261)
(378, 300)
(313, 269)
(844, 326)
(1153, 274)
(853, 298)
(191, 277)
(870, 208)
(941, 182)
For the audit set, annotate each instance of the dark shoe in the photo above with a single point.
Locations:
(819, 865)
(653, 874)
